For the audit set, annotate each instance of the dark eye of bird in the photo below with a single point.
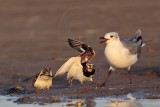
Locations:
(111, 36)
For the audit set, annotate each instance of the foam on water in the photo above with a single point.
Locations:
(98, 102)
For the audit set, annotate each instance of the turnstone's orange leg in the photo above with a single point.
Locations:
(86, 88)
(95, 84)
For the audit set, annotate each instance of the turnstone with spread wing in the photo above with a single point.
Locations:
(87, 53)
(79, 67)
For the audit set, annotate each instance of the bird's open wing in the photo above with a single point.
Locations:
(64, 68)
(84, 49)
(79, 46)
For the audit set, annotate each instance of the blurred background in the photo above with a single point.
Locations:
(34, 33)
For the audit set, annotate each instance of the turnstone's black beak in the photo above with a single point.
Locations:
(50, 75)
(103, 39)
(46, 75)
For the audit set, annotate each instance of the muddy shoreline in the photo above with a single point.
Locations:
(148, 89)
(33, 35)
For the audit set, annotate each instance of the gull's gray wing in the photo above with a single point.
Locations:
(134, 45)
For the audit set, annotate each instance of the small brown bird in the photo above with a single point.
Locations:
(43, 80)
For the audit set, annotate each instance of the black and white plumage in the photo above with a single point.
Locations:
(88, 69)
(76, 70)
(43, 80)
(87, 53)
(122, 54)
(79, 67)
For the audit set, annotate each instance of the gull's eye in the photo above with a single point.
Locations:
(111, 36)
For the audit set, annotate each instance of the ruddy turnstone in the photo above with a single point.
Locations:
(122, 54)
(43, 80)
(87, 53)
(79, 67)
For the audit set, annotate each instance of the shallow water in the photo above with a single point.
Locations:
(97, 102)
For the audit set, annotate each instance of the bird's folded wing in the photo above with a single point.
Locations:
(134, 44)
(133, 47)
(35, 78)
(64, 68)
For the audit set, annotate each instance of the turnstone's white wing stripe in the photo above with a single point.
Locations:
(86, 50)
(64, 68)
(78, 45)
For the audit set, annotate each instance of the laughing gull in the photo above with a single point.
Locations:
(79, 67)
(122, 54)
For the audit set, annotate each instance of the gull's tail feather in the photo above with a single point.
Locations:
(138, 33)
(138, 38)
(64, 68)
(139, 41)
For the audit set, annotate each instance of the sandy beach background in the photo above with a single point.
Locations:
(33, 35)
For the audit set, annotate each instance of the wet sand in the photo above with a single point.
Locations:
(33, 35)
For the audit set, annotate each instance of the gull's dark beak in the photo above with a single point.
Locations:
(103, 39)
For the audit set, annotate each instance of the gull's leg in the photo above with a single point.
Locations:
(107, 76)
(129, 73)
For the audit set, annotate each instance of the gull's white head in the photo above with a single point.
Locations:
(110, 37)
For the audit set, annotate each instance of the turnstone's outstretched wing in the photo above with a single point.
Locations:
(86, 51)
(64, 68)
